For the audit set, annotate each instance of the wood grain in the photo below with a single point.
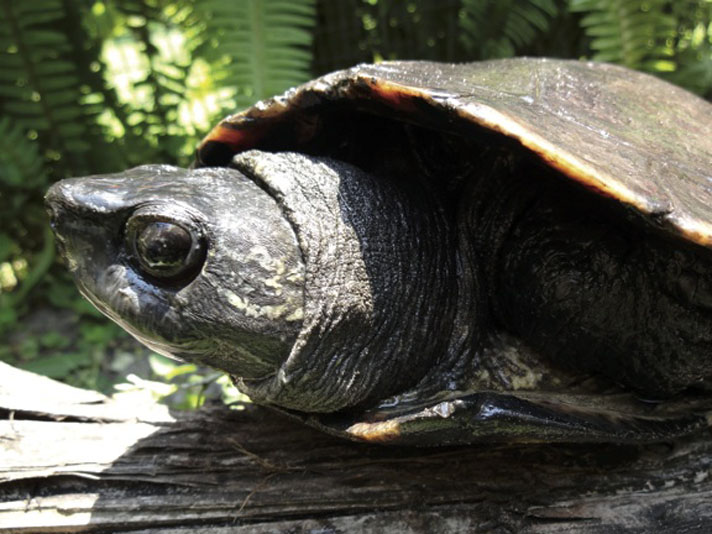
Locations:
(75, 461)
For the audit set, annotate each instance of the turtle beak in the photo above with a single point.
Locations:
(55, 199)
(75, 209)
(58, 202)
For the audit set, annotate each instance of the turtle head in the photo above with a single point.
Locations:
(316, 285)
(196, 264)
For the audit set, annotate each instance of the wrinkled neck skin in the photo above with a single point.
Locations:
(380, 284)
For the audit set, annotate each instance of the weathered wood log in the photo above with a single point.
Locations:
(76, 461)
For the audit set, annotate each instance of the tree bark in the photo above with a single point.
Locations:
(76, 461)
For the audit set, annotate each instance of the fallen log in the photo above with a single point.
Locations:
(76, 461)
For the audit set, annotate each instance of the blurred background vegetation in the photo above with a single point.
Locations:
(96, 86)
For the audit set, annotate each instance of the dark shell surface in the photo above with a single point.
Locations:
(622, 133)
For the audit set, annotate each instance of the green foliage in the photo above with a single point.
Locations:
(634, 33)
(672, 39)
(39, 94)
(94, 86)
(353, 31)
(183, 385)
(494, 29)
(259, 47)
(41, 89)
(21, 166)
(693, 46)
(21, 173)
(160, 78)
(407, 30)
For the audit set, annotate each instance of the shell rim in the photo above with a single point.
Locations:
(235, 131)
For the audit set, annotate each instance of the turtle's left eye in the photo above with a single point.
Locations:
(165, 249)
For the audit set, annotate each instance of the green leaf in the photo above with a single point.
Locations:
(634, 33)
(497, 29)
(8, 315)
(21, 165)
(54, 340)
(259, 35)
(58, 365)
(43, 91)
(6, 245)
(167, 368)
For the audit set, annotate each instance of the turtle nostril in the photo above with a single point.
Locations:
(53, 201)
(54, 195)
(54, 204)
(54, 213)
(53, 217)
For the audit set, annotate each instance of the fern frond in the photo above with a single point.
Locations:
(634, 33)
(22, 173)
(39, 86)
(696, 73)
(162, 78)
(492, 29)
(21, 165)
(153, 73)
(693, 47)
(262, 47)
(394, 29)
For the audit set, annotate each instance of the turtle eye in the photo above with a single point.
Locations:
(165, 249)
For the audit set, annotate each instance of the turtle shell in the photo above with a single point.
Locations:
(620, 133)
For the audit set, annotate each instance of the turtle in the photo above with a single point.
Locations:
(420, 253)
